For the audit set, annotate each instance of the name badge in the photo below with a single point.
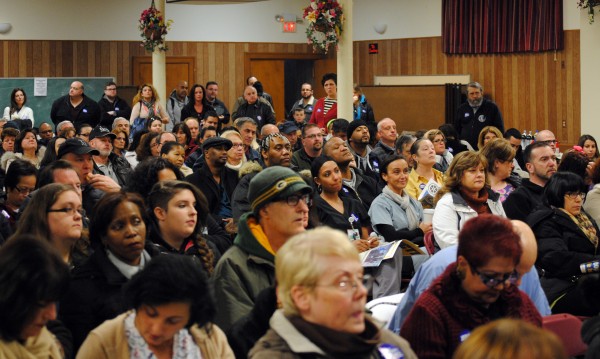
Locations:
(116, 109)
(353, 234)
(389, 351)
(422, 185)
(463, 335)
(467, 114)
(85, 110)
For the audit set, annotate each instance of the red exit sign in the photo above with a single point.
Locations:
(373, 49)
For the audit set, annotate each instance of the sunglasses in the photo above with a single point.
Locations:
(493, 280)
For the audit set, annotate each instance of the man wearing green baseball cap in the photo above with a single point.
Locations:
(280, 200)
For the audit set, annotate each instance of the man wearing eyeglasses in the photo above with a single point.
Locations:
(112, 106)
(280, 200)
(312, 147)
(45, 133)
(548, 138)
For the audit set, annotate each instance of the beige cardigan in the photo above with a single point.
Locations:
(109, 341)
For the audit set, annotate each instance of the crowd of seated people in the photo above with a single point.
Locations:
(179, 234)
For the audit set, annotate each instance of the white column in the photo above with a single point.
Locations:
(159, 68)
(590, 73)
(345, 78)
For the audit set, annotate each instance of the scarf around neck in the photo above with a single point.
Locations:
(583, 222)
(479, 204)
(150, 106)
(339, 344)
(184, 346)
(404, 202)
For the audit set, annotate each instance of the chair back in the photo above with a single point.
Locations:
(429, 243)
(568, 328)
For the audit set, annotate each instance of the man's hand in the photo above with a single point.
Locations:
(103, 183)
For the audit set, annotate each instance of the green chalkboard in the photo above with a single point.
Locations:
(57, 87)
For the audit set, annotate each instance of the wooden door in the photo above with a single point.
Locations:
(177, 68)
(271, 74)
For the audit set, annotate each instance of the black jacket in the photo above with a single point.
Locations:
(88, 111)
(562, 247)
(189, 111)
(524, 200)
(205, 182)
(469, 124)
(121, 167)
(120, 106)
(260, 112)
(366, 189)
(94, 294)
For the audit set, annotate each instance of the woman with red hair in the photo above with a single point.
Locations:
(478, 288)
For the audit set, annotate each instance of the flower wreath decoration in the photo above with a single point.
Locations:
(153, 29)
(325, 24)
(588, 4)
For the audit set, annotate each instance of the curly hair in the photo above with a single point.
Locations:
(461, 163)
(138, 95)
(169, 279)
(145, 175)
(143, 150)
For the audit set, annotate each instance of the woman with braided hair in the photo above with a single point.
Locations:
(178, 212)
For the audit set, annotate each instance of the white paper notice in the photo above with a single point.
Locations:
(40, 86)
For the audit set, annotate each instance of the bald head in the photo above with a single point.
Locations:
(528, 245)
(268, 129)
(546, 136)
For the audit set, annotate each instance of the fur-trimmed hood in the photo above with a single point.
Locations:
(8, 157)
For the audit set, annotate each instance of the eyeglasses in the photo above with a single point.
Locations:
(350, 285)
(294, 199)
(574, 195)
(549, 142)
(68, 210)
(47, 131)
(316, 135)
(24, 190)
(238, 145)
(84, 134)
(492, 281)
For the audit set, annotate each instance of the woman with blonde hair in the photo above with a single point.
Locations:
(443, 157)
(510, 338)
(487, 134)
(422, 152)
(500, 154)
(235, 155)
(320, 286)
(465, 195)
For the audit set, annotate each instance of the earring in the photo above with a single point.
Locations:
(319, 188)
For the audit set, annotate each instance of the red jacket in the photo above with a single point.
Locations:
(318, 117)
(444, 315)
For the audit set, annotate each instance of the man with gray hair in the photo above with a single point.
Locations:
(247, 127)
(63, 126)
(122, 124)
(475, 114)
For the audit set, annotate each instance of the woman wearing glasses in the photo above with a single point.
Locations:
(19, 183)
(235, 155)
(476, 289)
(54, 214)
(567, 237)
(443, 157)
(320, 286)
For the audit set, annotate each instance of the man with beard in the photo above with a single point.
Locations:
(306, 102)
(312, 146)
(275, 150)
(475, 114)
(355, 183)
(212, 90)
(216, 180)
(358, 143)
(107, 162)
(112, 106)
(540, 161)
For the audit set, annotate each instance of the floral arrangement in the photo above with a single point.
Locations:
(588, 4)
(153, 29)
(325, 24)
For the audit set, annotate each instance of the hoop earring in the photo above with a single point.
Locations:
(319, 188)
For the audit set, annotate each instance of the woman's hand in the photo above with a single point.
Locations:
(361, 245)
(373, 242)
(425, 227)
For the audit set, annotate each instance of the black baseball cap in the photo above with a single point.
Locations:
(77, 146)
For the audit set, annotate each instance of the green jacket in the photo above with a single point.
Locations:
(244, 270)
